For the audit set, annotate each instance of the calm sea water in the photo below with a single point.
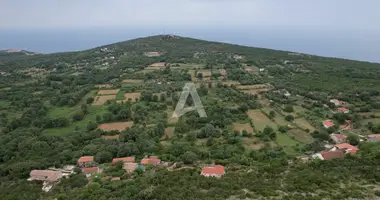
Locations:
(343, 44)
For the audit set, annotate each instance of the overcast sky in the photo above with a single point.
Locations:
(361, 15)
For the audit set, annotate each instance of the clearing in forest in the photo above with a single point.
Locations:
(241, 127)
(253, 143)
(230, 83)
(132, 81)
(103, 86)
(152, 54)
(100, 100)
(132, 97)
(107, 92)
(169, 132)
(255, 86)
(115, 126)
(304, 124)
(154, 66)
(255, 91)
(260, 120)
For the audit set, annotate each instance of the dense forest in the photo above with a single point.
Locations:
(265, 113)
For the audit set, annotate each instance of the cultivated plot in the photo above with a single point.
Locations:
(115, 126)
(241, 127)
(131, 97)
(260, 120)
(132, 81)
(101, 100)
(169, 132)
(107, 92)
(300, 135)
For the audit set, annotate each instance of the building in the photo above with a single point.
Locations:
(214, 171)
(130, 167)
(45, 175)
(124, 159)
(152, 160)
(86, 161)
(342, 110)
(373, 138)
(336, 102)
(345, 146)
(91, 170)
(261, 69)
(329, 155)
(338, 138)
(328, 124)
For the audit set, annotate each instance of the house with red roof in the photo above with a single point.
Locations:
(91, 170)
(124, 159)
(85, 161)
(373, 138)
(329, 155)
(152, 160)
(336, 102)
(345, 146)
(338, 138)
(45, 175)
(214, 171)
(328, 123)
(343, 110)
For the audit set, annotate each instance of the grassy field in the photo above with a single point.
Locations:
(260, 120)
(67, 111)
(301, 135)
(284, 139)
(304, 124)
(82, 125)
(120, 95)
(241, 127)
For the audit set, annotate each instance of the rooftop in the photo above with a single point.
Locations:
(328, 123)
(86, 159)
(350, 148)
(48, 175)
(124, 159)
(217, 169)
(329, 155)
(90, 170)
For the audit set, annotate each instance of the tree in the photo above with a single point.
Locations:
(353, 139)
(89, 100)
(289, 118)
(272, 114)
(189, 157)
(200, 75)
(283, 129)
(84, 109)
(91, 126)
(288, 108)
(78, 116)
(103, 157)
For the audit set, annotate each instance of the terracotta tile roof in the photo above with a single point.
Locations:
(124, 159)
(90, 170)
(130, 167)
(374, 136)
(153, 160)
(329, 155)
(342, 109)
(86, 159)
(45, 175)
(339, 136)
(350, 148)
(328, 123)
(217, 169)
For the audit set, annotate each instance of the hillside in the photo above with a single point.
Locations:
(279, 125)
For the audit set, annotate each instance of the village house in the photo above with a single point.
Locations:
(130, 167)
(345, 146)
(152, 160)
(329, 155)
(91, 170)
(214, 171)
(373, 138)
(45, 175)
(86, 161)
(124, 159)
(342, 110)
(338, 138)
(328, 124)
(336, 102)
